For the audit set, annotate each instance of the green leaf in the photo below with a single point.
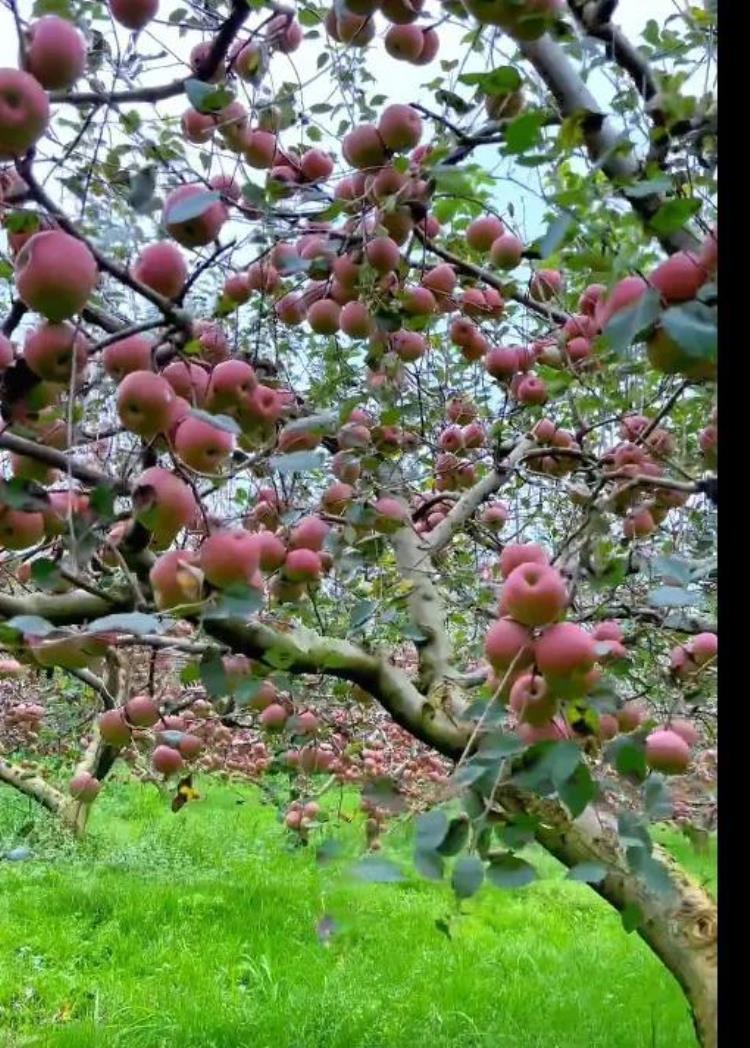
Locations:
(587, 872)
(518, 831)
(207, 98)
(578, 791)
(429, 864)
(361, 612)
(102, 501)
(499, 744)
(654, 874)
(555, 235)
(508, 871)
(673, 569)
(377, 870)
(632, 832)
(135, 622)
(672, 597)
(214, 677)
(631, 916)
(673, 214)
(31, 625)
(524, 132)
(629, 325)
(296, 462)
(657, 800)
(223, 422)
(235, 602)
(648, 187)
(142, 188)
(498, 81)
(468, 875)
(45, 573)
(432, 827)
(693, 327)
(192, 207)
(562, 761)
(255, 195)
(628, 756)
(456, 837)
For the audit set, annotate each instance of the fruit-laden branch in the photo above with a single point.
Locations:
(177, 317)
(618, 46)
(158, 93)
(555, 316)
(31, 786)
(467, 505)
(60, 460)
(414, 559)
(680, 927)
(603, 141)
(689, 625)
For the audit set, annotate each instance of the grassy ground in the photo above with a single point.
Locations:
(198, 930)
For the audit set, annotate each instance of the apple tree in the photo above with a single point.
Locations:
(363, 357)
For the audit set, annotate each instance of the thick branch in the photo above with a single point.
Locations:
(31, 786)
(214, 58)
(63, 609)
(60, 460)
(602, 140)
(469, 502)
(555, 316)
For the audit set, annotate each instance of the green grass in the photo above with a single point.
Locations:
(198, 930)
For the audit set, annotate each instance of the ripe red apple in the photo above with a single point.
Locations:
(55, 351)
(272, 551)
(363, 147)
(309, 533)
(506, 643)
(55, 52)
(206, 216)
(704, 647)
(166, 760)
(176, 579)
(502, 361)
(202, 446)
(400, 127)
(113, 728)
(630, 716)
(20, 530)
(506, 251)
(162, 268)
(24, 113)
(390, 515)
(405, 43)
(274, 717)
(534, 594)
(144, 403)
(564, 650)
(132, 353)
(531, 698)
(302, 565)
(55, 272)
(84, 787)
(513, 555)
(667, 752)
(164, 504)
(483, 231)
(323, 316)
(229, 557)
(141, 711)
(133, 14)
(680, 277)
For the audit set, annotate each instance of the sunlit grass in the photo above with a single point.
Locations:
(198, 930)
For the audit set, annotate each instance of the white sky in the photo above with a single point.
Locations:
(399, 81)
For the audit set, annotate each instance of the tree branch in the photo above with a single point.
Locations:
(602, 140)
(60, 460)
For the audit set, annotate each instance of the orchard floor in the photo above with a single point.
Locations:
(198, 930)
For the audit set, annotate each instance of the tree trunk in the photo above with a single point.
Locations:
(681, 927)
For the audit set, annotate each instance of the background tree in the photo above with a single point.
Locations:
(285, 339)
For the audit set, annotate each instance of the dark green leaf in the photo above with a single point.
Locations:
(429, 864)
(524, 132)
(673, 214)
(456, 837)
(648, 187)
(223, 422)
(192, 207)
(654, 874)
(631, 916)
(207, 98)
(499, 744)
(672, 597)
(142, 187)
(377, 871)
(468, 874)
(508, 871)
(628, 756)
(296, 462)
(498, 81)
(135, 622)
(31, 625)
(555, 235)
(633, 834)
(578, 791)
(693, 327)
(588, 872)
(361, 612)
(235, 602)
(432, 827)
(214, 677)
(628, 325)
(657, 800)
